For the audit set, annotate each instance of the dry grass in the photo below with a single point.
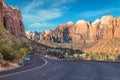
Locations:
(111, 46)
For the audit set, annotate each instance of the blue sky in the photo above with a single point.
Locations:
(41, 15)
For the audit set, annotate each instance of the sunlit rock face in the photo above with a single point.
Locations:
(11, 18)
(84, 31)
(33, 36)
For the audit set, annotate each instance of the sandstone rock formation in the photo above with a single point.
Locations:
(33, 36)
(11, 19)
(85, 32)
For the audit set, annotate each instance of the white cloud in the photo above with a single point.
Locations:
(34, 4)
(41, 25)
(93, 13)
(50, 13)
(98, 12)
(58, 3)
(42, 15)
(34, 14)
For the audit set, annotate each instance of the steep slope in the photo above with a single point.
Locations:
(13, 45)
(110, 46)
(11, 19)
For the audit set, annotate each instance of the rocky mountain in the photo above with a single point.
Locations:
(13, 44)
(11, 19)
(33, 36)
(84, 32)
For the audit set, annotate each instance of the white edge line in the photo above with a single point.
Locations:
(27, 69)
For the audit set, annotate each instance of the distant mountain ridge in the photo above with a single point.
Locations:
(84, 32)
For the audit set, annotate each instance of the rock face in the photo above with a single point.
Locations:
(83, 32)
(11, 19)
(34, 36)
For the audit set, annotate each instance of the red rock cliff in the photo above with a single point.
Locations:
(11, 18)
(83, 31)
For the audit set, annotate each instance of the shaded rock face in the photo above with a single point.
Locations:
(83, 31)
(59, 35)
(11, 18)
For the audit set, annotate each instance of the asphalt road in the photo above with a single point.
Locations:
(34, 61)
(65, 70)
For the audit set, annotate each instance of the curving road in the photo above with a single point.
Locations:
(63, 70)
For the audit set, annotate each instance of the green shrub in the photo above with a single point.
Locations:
(6, 50)
(1, 27)
(12, 48)
(24, 51)
(66, 54)
(1, 56)
(101, 56)
(5, 64)
(13, 52)
(15, 46)
(55, 54)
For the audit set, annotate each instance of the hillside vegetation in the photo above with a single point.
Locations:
(12, 48)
